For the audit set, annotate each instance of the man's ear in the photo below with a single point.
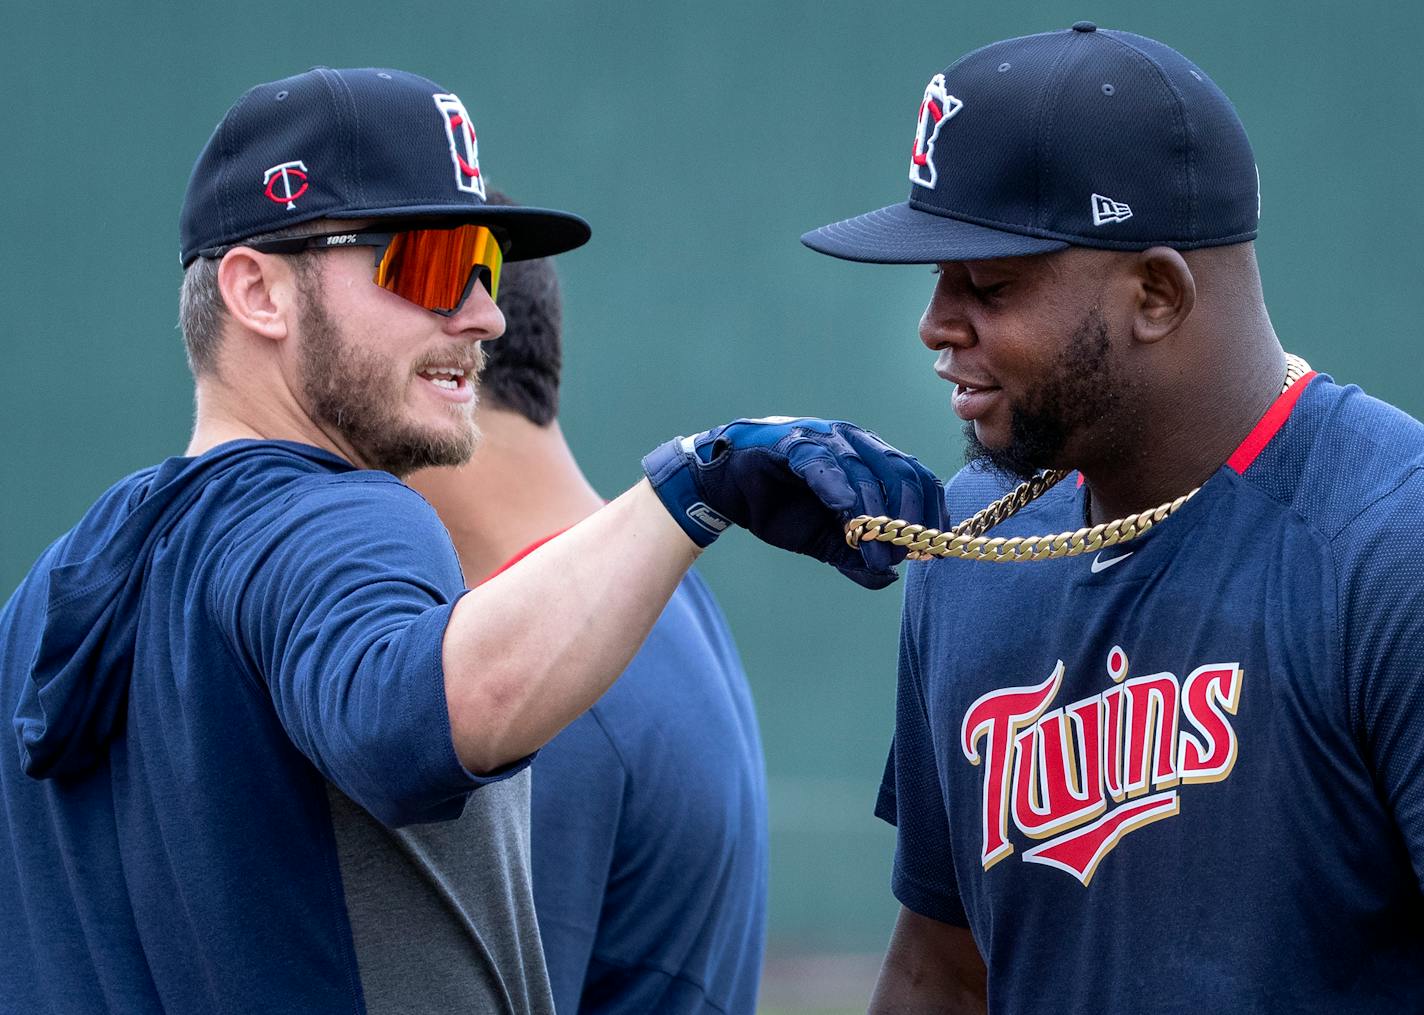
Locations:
(259, 291)
(1167, 292)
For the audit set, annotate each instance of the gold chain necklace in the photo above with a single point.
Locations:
(966, 541)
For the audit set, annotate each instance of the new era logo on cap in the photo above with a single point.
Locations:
(1106, 210)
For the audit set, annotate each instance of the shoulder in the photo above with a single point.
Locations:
(341, 500)
(688, 651)
(694, 615)
(1342, 460)
(377, 496)
(686, 685)
(297, 516)
(1359, 468)
(104, 518)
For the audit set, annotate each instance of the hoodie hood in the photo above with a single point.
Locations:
(74, 697)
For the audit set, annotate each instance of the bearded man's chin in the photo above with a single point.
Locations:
(1015, 462)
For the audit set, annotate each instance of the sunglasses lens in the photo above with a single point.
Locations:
(432, 267)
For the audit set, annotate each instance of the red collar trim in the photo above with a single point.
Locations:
(522, 554)
(1270, 424)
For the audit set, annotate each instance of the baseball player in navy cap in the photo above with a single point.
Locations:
(257, 721)
(1159, 740)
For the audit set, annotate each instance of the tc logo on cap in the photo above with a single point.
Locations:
(935, 108)
(464, 149)
(278, 185)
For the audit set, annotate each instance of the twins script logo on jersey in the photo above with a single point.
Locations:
(936, 108)
(278, 185)
(464, 148)
(1084, 775)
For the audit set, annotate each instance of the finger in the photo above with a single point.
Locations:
(881, 557)
(872, 500)
(913, 491)
(911, 501)
(868, 494)
(824, 476)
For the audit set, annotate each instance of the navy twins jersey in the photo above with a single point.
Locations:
(1186, 773)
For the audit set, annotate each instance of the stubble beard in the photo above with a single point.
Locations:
(359, 394)
(1081, 389)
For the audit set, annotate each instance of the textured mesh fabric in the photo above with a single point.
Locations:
(1209, 742)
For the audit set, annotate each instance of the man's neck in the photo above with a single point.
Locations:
(522, 485)
(1175, 444)
(257, 412)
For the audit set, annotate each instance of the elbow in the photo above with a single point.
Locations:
(483, 726)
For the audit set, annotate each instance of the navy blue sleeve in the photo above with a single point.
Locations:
(338, 597)
(577, 804)
(912, 799)
(1382, 624)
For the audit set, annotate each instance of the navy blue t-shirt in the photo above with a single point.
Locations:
(1186, 773)
(187, 669)
(648, 837)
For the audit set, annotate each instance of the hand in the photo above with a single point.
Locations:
(795, 483)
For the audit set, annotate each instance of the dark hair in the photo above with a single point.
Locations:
(521, 371)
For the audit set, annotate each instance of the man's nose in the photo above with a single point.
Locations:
(478, 318)
(944, 323)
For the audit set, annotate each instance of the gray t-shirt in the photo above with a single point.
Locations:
(442, 914)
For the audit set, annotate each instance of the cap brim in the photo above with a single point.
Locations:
(532, 232)
(900, 234)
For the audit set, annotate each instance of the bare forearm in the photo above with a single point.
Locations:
(531, 649)
(931, 968)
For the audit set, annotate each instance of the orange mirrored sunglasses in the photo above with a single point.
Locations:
(432, 268)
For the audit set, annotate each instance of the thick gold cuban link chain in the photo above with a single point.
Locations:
(966, 541)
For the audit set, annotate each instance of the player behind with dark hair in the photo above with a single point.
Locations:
(1166, 754)
(649, 810)
(521, 372)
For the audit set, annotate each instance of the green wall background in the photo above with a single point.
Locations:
(700, 141)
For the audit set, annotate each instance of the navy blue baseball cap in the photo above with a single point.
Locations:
(363, 143)
(1081, 137)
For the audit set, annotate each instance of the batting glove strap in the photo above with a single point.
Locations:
(671, 468)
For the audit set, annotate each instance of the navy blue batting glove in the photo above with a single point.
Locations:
(794, 483)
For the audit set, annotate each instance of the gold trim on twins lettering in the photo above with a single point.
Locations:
(1035, 855)
(985, 729)
(1230, 702)
(1114, 752)
(1030, 748)
(1161, 728)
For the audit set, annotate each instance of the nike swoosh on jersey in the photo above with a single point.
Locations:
(1102, 565)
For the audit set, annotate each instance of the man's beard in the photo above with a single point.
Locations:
(359, 395)
(1082, 388)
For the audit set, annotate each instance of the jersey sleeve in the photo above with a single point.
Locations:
(912, 799)
(1382, 625)
(338, 599)
(577, 808)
